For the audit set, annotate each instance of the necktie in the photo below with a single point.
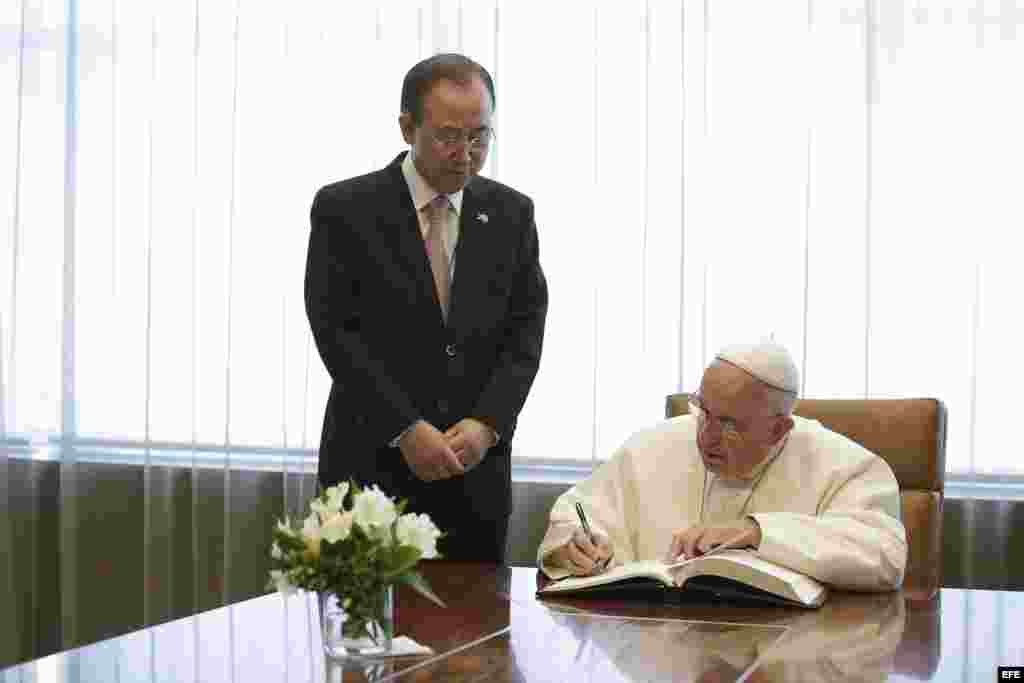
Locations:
(437, 219)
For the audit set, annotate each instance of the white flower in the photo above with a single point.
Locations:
(275, 551)
(336, 527)
(336, 496)
(284, 526)
(372, 507)
(418, 531)
(311, 534)
(320, 508)
(280, 580)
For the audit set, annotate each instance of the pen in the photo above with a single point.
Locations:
(583, 521)
(589, 533)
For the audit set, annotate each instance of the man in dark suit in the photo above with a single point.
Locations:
(427, 301)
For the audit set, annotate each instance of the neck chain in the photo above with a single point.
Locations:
(757, 480)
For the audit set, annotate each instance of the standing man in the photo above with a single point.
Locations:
(427, 301)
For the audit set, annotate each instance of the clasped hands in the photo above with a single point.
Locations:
(583, 558)
(433, 455)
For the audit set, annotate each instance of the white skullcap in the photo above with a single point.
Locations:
(766, 360)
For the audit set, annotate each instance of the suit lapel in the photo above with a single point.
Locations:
(471, 264)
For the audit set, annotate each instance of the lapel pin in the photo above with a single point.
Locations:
(482, 217)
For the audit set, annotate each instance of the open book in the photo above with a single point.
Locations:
(732, 575)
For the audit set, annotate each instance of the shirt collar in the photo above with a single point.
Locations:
(422, 193)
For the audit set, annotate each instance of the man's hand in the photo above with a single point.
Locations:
(581, 557)
(470, 439)
(427, 453)
(702, 538)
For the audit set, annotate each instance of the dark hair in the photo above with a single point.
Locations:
(422, 77)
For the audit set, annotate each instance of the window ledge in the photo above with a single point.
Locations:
(985, 487)
(527, 471)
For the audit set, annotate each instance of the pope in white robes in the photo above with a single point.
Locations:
(742, 471)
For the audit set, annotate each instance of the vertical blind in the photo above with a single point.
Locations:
(842, 175)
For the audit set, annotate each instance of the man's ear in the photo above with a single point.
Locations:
(405, 123)
(782, 427)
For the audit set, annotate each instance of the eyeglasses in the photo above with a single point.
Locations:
(456, 137)
(731, 430)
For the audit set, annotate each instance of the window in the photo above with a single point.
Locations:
(842, 175)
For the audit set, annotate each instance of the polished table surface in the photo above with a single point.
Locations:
(496, 629)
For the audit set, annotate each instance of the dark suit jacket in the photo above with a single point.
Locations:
(375, 316)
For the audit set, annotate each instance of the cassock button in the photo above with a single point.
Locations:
(450, 350)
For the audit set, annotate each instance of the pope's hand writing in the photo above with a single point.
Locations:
(427, 453)
(581, 557)
(699, 539)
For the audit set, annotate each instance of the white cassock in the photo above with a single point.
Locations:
(827, 507)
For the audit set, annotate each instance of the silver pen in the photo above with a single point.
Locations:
(590, 534)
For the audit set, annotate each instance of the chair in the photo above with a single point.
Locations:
(910, 435)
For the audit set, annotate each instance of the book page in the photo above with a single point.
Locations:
(748, 568)
(651, 569)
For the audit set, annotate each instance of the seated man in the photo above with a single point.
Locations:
(743, 471)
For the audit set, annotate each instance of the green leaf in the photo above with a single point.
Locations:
(419, 584)
(400, 560)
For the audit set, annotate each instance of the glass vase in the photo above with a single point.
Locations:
(357, 626)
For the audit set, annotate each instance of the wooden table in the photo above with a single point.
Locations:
(495, 629)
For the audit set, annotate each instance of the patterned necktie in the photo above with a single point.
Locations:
(437, 218)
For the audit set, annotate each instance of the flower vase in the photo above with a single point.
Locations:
(357, 626)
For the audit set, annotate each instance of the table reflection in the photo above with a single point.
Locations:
(567, 645)
(358, 671)
(495, 629)
(271, 638)
(557, 643)
(853, 638)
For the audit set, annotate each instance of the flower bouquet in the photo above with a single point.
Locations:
(354, 546)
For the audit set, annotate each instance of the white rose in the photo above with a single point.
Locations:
(280, 580)
(311, 534)
(275, 551)
(372, 507)
(418, 531)
(336, 496)
(320, 508)
(336, 527)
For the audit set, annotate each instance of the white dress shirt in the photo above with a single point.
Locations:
(422, 194)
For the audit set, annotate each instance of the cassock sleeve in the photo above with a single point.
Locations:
(855, 541)
(603, 496)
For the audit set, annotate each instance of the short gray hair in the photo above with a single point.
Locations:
(422, 77)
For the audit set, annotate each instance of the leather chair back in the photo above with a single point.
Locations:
(910, 435)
